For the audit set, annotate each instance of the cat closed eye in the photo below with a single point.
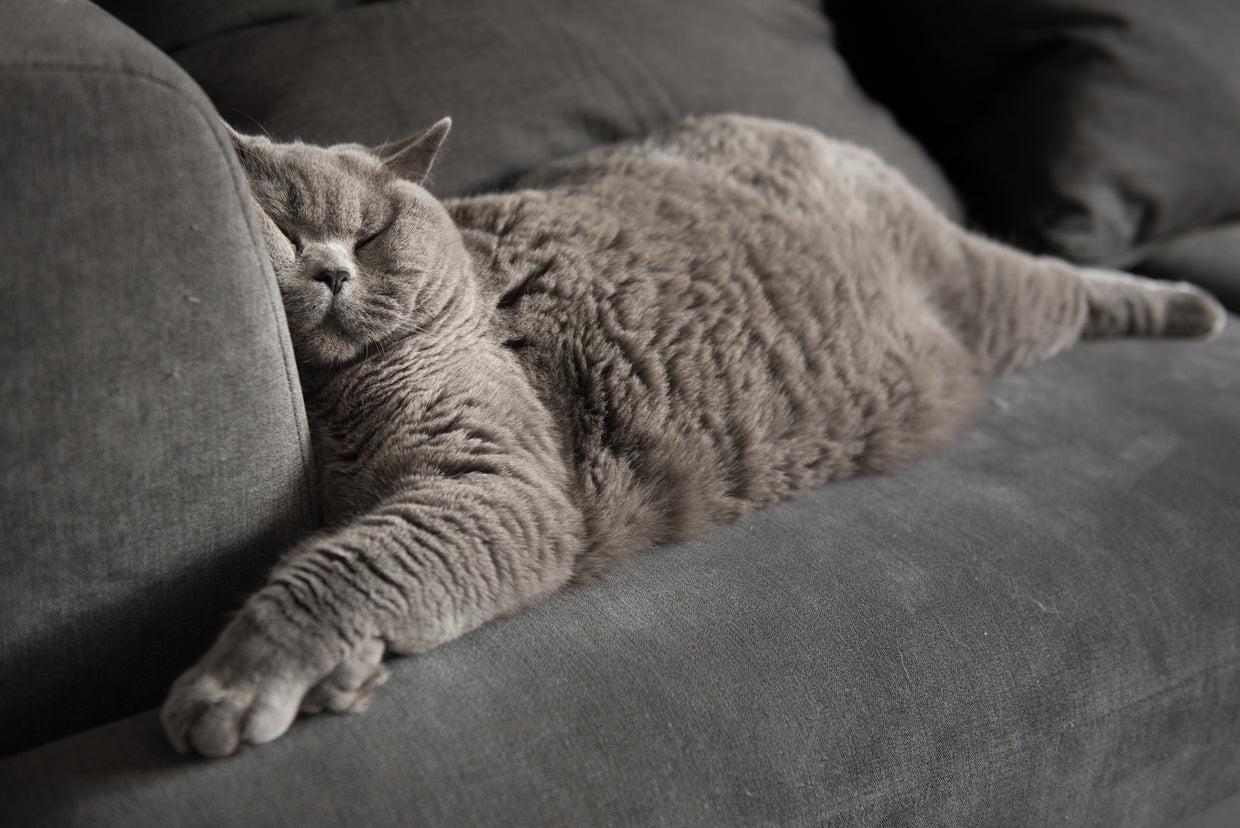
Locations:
(293, 239)
(365, 240)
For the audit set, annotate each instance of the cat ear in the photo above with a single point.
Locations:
(232, 133)
(411, 158)
(246, 146)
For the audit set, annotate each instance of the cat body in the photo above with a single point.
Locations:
(509, 391)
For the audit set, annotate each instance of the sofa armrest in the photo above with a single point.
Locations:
(153, 451)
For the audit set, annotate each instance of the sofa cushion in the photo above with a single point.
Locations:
(1037, 627)
(1092, 129)
(526, 83)
(153, 457)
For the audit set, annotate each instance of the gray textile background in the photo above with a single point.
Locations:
(153, 457)
(899, 648)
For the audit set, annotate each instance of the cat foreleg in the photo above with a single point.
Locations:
(407, 576)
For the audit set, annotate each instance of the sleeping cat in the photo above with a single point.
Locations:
(507, 392)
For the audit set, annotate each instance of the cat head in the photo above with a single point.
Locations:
(362, 252)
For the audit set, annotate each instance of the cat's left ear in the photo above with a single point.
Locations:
(411, 158)
(247, 147)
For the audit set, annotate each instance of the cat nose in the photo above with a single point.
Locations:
(333, 277)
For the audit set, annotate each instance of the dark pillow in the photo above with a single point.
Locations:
(532, 81)
(1093, 129)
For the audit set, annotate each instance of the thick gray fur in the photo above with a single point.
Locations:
(509, 391)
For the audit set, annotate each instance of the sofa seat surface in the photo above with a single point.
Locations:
(1037, 626)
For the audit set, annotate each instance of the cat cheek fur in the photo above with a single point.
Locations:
(279, 248)
(303, 305)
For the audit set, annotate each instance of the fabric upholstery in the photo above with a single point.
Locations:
(528, 82)
(153, 455)
(1038, 626)
(1092, 129)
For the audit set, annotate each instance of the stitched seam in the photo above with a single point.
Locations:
(240, 191)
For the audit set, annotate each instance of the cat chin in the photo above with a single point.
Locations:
(334, 341)
(321, 331)
(323, 343)
(323, 350)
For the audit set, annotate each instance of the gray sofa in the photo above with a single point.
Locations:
(1040, 625)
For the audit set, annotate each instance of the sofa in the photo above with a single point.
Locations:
(1040, 624)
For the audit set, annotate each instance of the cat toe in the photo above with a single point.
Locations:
(201, 717)
(177, 716)
(216, 732)
(271, 714)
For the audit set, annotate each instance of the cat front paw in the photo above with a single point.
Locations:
(249, 687)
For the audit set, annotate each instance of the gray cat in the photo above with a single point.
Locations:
(509, 391)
